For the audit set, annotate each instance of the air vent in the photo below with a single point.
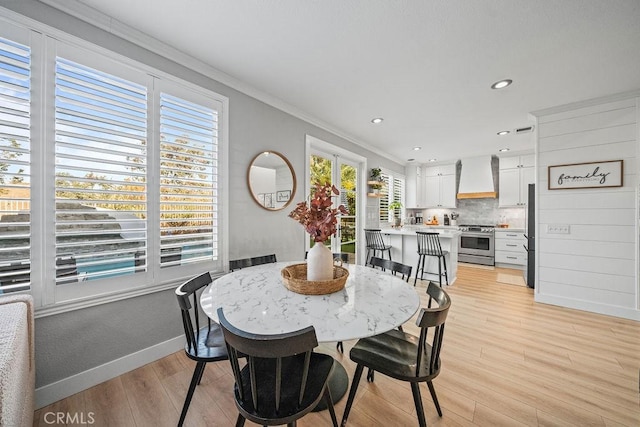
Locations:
(524, 130)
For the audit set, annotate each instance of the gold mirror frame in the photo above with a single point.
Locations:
(273, 200)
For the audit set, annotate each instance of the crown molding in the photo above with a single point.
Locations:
(119, 29)
(586, 103)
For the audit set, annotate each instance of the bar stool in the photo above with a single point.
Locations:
(375, 243)
(429, 245)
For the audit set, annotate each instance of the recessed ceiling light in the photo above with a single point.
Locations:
(503, 132)
(432, 160)
(411, 160)
(502, 150)
(377, 120)
(501, 84)
(417, 148)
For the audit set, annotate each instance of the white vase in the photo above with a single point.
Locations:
(319, 263)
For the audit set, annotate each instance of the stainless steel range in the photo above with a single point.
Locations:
(477, 244)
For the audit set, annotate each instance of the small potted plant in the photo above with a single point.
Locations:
(376, 182)
(376, 174)
(393, 206)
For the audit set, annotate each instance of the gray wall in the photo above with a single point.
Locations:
(73, 342)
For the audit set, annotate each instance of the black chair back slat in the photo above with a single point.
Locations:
(395, 267)
(238, 264)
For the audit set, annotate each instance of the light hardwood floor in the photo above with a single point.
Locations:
(506, 361)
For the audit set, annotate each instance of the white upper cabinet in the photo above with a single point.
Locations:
(516, 173)
(414, 187)
(440, 186)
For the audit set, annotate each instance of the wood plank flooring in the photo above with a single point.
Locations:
(506, 361)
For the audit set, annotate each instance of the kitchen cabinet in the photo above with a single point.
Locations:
(414, 187)
(510, 248)
(440, 186)
(515, 175)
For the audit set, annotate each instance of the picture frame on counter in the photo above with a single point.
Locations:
(585, 175)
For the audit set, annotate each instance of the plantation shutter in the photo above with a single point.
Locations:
(398, 193)
(384, 197)
(188, 182)
(392, 191)
(15, 172)
(101, 174)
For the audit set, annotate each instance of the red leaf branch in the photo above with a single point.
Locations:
(317, 217)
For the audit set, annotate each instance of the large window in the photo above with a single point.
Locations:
(109, 172)
(392, 191)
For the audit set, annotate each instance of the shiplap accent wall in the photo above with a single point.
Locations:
(595, 266)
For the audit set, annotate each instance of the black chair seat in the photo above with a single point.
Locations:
(433, 253)
(210, 346)
(320, 367)
(393, 353)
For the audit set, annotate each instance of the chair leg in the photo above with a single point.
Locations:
(240, 421)
(352, 393)
(439, 272)
(446, 276)
(434, 397)
(197, 373)
(417, 399)
(370, 373)
(389, 250)
(201, 373)
(329, 402)
(339, 347)
(417, 270)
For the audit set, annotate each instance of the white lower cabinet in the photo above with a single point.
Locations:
(510, 248)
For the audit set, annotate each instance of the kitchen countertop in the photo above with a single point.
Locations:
(517, 229)
(451, 232)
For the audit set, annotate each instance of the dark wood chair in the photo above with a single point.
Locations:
(237, 264)
(393, 266)
(204, 344)
(406, 357)
(429, 246)
(282, 380)
(375, 243)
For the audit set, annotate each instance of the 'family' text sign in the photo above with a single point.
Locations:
(586, 175)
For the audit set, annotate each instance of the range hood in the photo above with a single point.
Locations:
(476, 178)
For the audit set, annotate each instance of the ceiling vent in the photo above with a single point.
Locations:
(525, 129)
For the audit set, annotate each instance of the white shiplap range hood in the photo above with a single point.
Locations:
(476, 178)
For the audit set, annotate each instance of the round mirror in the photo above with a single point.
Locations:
(272, 181)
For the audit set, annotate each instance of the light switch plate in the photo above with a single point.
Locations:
(558, 229)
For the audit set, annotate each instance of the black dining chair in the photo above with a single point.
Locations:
(393, 266)
(282, 380)
(406, 357)
(337, 256)
(204, 344)
(237, 264)
(375, 243)
(429, 246)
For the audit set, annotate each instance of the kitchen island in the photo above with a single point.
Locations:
(404, 249)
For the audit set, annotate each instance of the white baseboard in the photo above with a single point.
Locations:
(58, 390)
(609, 310)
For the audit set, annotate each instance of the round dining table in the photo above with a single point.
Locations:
(256, 300)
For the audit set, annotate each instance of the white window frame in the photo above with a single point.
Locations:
(46, 43)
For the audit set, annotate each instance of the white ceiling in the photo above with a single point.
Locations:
(425, 66)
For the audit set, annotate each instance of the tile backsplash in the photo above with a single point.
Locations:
(482, 211)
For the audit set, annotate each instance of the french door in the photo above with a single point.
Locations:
(343, 173)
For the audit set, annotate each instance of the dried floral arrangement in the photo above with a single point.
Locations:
(317, 217)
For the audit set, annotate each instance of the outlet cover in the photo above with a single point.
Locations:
(558, 229)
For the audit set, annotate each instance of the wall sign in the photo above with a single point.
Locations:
(585, 175)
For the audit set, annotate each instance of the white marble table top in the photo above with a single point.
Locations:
(256, 300)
